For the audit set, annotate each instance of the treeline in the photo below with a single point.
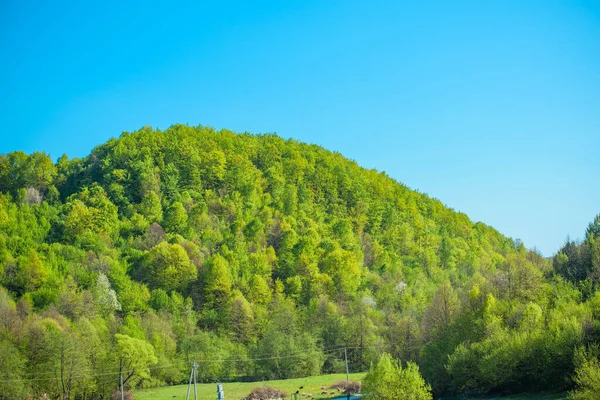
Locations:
(261, 258)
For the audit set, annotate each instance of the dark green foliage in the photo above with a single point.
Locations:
(264, 258)
(578, 262)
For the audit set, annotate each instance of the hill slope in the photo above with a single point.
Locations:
(164, 247)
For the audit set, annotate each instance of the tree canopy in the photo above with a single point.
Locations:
(271, 256)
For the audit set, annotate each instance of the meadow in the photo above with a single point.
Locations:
(237, 390)
(310, 385)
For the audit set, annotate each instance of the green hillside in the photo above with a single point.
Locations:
(263, 258)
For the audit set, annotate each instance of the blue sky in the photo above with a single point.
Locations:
(491, 106)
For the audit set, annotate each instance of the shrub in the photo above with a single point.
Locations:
(265, 393)
(587, 378)
(346, 387)
(388, 380)
(117, 395)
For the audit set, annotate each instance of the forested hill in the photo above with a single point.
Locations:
(162, 247)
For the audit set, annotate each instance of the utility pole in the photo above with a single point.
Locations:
(195, 392)
(192, 379)
(122, 391)
(346, 359)
(347, 375)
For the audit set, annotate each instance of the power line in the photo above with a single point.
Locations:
(98, 372)
(183, 362)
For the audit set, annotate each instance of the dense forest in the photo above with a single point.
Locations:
(263, 258)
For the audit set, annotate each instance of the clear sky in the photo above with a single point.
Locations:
(493, 107)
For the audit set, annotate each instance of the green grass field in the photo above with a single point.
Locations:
(236, 391)
(312, 385)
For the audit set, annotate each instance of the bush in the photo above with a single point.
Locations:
(388, 380)
(117, 395)
(346, 387)
(265, 393)
(587, 378)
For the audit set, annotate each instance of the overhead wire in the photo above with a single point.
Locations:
(99, 373)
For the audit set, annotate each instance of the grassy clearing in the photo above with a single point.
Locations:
(312, 385)
(236, 391)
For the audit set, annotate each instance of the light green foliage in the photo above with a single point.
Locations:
(169, 267)
(67, 359)
(134, 357)
(18, 171)
(29, 274)
(587, 379)
(176, 218)
(259, 291)
(217, 279)
(241, 319)
(208, 346)
(389, 380)
(343, 266)
(89, 213)
(441, 312)
(151, 208)
(283, 337)
(162, 247)
(214, 167)
(12, 368)
(106, 297)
